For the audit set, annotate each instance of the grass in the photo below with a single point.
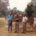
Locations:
(1, 22)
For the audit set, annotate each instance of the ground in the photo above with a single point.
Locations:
(4, 31)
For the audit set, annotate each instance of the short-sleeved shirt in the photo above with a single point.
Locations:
(24, 19)
(10, 17)
(34, 20)
(17, 18)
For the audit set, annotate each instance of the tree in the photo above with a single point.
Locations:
(29, 10)
(3, 7)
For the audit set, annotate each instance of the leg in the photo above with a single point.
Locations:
(33, 25)
(18, 27)
(11, 28)
(8, 27)
(24, 27)
(11, 25)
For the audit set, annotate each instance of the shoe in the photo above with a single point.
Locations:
(16, 32)
(24, 32)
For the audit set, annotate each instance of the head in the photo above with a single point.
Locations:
(17, 14)
(24, 15)
(11, 13)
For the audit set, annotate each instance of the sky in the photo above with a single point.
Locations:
(19, 4)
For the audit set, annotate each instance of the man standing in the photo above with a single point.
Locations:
(24, 20)
(17, 23)
(10, 19)
(34, 24)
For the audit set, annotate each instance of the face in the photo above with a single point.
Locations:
(24, 15)
(10, 13)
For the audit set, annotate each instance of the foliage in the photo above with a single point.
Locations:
(29, 10)
(3, 8)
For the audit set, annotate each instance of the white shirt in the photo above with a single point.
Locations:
(24, 19)
(34, 20)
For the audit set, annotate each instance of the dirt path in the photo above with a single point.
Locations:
(4, 31)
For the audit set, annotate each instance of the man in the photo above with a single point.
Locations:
(34, 24)
(24, 20)
(10, 19)
(17, 23)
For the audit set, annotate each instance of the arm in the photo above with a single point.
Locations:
(6, 17)
(13, 18)
(26, 20)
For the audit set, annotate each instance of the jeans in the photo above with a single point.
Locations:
(10, 25)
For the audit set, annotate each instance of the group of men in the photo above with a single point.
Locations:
(17, 19)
